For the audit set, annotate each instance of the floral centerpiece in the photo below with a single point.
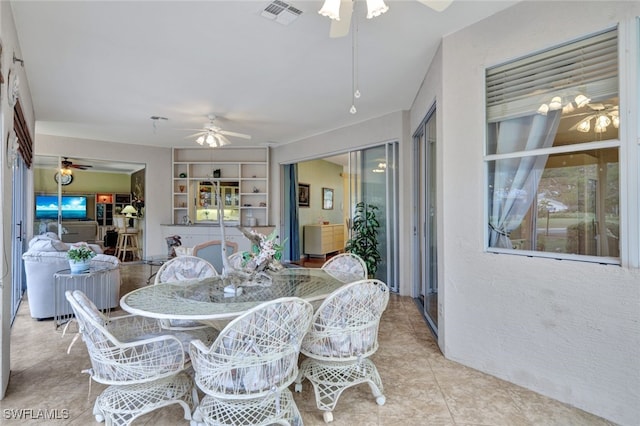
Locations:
(80, 256)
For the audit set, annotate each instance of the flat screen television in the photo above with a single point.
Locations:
(74, 207)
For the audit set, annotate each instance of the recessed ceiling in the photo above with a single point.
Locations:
(101, 69)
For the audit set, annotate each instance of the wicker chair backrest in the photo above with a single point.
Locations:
(345, 326)
(256, 353)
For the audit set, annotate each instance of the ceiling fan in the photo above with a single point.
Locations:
(604, 115)
(214, 136)
(340, 12)
(66, 164)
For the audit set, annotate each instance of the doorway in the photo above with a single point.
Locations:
(425, 220)
(368, 175)
(18, 234)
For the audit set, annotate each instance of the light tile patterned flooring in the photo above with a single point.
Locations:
(420, 385)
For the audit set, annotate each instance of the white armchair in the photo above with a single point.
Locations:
(46, 256)
(142, 363)
(342, 337)
(346, 263)
(247, 370)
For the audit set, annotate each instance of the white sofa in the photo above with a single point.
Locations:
(46, 256)
(74, 230)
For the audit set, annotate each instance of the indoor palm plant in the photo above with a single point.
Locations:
(364, 240)
(80, 258)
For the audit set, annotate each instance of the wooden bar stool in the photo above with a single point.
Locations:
(127, 240)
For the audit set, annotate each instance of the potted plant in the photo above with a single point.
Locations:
(80, 258)
(364, 240)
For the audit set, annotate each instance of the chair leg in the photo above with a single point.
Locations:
(121, 405)
(330, 379)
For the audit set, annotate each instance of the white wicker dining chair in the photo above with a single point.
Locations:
(140, 362)
(183, 268)
(343, 334)
(246, 372)
(346, 262)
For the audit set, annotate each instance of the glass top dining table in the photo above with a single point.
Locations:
(205, 300)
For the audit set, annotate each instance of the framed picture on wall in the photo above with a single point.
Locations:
(303, 195)
(327, 198)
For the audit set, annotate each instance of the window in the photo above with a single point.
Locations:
(552, 151)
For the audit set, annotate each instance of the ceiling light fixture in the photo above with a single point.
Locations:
(355, 91)
(212, 139)
(214, 136)
(331, 9)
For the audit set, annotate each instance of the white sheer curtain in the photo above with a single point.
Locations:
(516, 180)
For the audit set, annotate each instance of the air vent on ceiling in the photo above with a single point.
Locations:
(281, 12)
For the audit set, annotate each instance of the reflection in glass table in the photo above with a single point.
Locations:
(206, 301)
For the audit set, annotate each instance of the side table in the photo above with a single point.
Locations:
(156, 261)
(95, 284)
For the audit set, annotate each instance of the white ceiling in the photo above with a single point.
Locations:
(101, 69)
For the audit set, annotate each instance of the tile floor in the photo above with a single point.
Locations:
(420, 385)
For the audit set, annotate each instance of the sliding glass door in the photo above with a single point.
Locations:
(374, 180)
(369, 175)
(425, 249)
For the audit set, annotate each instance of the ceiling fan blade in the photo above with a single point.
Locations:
(574, 127)
(222, 141)
(196, 134)
(234, 134)
(341, 28)
(437, 5)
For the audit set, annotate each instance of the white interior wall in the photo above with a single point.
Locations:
(10, 45)
(566, 329)
(157, 177)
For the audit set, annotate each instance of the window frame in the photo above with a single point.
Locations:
(623, 154)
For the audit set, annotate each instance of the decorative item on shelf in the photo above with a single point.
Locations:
(181, 187)
(256, 190)
(217, 174)
(183, 175)
(263, 204)
(80, 256)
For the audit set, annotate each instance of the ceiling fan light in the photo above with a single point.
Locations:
(556, 103)
(375, 8)
(210, 140)
(584, 126)
(616, 121)
(331, 9)
(544, 109)
(581, 100)
(66, 171)
(200, 140)
(603, 121)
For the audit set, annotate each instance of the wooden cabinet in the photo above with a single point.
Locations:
(243, 176)
(108, 205)
(322, 239)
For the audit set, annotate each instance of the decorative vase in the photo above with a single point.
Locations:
(79, 266)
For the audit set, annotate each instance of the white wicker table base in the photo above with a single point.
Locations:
(331, 378)
(278, 409)
(120, 405)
